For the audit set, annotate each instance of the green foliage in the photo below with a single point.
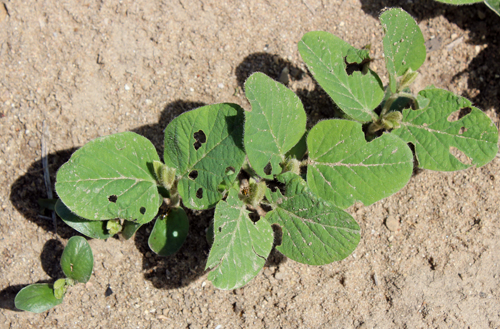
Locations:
(77, 263)
(261, 170)
(493, 4)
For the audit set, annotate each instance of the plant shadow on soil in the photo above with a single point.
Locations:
(483, 72)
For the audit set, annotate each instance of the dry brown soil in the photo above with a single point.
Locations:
(429, 255)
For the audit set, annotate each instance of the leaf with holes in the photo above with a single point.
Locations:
(111, 177)
(77, 260)
(436, 135)
(169, 232)
(275, 125)
(331, 60)
(205, 146)
(314, 231)
(404, 45)
(343, 168)
(240, 246)
(36, 298)
(94, 229)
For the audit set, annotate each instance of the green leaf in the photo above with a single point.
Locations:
(77, 260)
(275, 124)
(111, 177)
(314, 231)
(433, 135)
(36, 298)
(129, 228)
(357, 94)
(59, 288)
(459, 2)
(404, 45)
(94, 229)
(240, 246)
(494, 5)
(343, 168)
(204, 145)
(169, 232)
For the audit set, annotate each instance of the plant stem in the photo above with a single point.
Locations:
(392, 98)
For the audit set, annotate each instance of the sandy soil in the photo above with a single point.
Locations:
(428, 256)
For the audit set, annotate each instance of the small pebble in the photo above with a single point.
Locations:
(127, 87)
(392, 223)
(108, 292)
(220, 85)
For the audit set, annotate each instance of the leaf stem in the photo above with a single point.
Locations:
(392, 98)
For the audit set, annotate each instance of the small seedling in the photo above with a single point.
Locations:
(261, 170)
(492, 4)
(77, 263)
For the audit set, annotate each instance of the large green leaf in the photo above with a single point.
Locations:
(77, 260)
(110, 177)
(314, 231)
(343, 168)
(206, 146)
(240, 246)
(358, 93)
(36, 298)
(275, 125)
(404, 45)
(169, 232)
(433, 135)
(95, 229)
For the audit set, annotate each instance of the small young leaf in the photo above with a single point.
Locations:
(204, 145)
(240, 246)
(36, 298)
(357, 93)
(59, 288)
(275, 124)
(315, 232)
(169, 232)
(343, 168)
(433, 133)
(110, 177)
(129, 228)
(94, 229)
(404, 45)
(77, 260)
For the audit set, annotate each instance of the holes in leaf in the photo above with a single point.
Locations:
(254, 217)
(230, 171)
(266, 207)
(200, 138)
(193, 174)
(457, 115)
(462, 130)
(460, 156)
(220, 229)
(112, 198)
(355, 67)
(199, 193)
(142, 210)
(268, 169)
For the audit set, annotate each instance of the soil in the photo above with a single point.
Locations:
(83, 69)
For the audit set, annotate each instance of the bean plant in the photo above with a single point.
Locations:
(77, 263)
(273, 182)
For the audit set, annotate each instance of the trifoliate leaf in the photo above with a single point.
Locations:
(94, 229)
(36, 298)
(240, 247)
(314, 231)
(169, 233)
(343, 168)
(111, 177)
(77, 260)
(404, 45)
(357, 93)
(434, 133)
(204, 145)
(275, 125)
